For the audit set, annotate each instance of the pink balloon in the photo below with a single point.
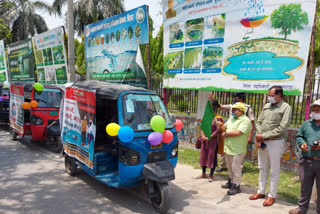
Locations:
(167, 136)
(155, 138)
(179, 125)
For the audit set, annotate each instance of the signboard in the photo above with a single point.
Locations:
(112, 48)
(3, 63)
(79, 124)
(16, 115)
(50, 56)
(20, 60)
(237, 45)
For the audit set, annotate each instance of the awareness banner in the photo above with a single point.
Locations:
(50, 55)
(16, 114)
(3, 63)
(237, 45)
(79, 124)
(20, 60)
(112, 48)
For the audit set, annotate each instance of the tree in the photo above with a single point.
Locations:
(26, 22)
(89, 11)
(289, 18)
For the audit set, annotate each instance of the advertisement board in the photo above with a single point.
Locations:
(20, 60)
(50, 56)
(237, 45)
(112, 48)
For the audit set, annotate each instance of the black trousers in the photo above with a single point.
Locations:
(309, 170)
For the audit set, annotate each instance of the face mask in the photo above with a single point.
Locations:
(235, 116)
(13, 112)
(235, 101)
(315, 116)
(271, 100)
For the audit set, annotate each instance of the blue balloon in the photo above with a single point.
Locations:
(126, 134)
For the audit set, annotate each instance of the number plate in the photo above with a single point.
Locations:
(156, 146)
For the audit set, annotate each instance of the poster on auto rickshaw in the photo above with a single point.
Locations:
(50, 55)
(237, 45)
(112, 48)
(20, 60)
(16, 114)
(3, 63)
(79, 124)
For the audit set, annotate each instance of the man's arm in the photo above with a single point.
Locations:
(284, 123)
(300, 138)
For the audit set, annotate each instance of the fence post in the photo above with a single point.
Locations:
(309, 83)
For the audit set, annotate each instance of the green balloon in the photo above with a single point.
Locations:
(157, 124)
(38, 86)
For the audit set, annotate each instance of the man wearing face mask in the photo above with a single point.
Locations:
(236, 131)
(237, 97)
(271, 129)
(309, 166)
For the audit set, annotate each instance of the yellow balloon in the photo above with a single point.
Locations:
(112, 129)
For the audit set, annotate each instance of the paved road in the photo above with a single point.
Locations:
(33, 180)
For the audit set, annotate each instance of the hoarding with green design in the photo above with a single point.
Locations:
(50, 56)
(20, 60)
(3, 63)
(237, 45)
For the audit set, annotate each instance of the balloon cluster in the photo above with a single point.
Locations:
(27, 105)
(158, 125)
(125, 133)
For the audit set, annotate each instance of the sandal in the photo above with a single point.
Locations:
(210, 178)
(201, 176)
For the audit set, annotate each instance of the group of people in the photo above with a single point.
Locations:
(270, 131)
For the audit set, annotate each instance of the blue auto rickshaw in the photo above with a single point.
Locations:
(108, 159)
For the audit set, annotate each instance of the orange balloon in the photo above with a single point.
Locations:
(34, 104)
(26, 105)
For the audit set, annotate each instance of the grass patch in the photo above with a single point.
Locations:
(288, 189)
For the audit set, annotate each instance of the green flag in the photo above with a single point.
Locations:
(207, 119)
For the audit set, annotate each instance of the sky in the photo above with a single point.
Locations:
(154, 10)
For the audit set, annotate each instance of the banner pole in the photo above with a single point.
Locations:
(309, 81)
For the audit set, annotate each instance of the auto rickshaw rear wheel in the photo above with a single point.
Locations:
(55, 145)
(13, 134)
(71, 166)
(160, 197)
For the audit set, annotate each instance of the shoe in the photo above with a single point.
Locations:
(256, 196)
(268, 202)
(227, 185)
(221, 169)
(210, 178)
(235, 189)
(201, 176)
(296, 211)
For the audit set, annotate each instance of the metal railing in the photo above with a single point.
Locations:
(185, 101)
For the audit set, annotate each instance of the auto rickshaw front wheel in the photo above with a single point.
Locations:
(54, 144)
(13, 134)
(159, 196)
(71, 166)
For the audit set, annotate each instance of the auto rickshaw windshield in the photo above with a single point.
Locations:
(48, 98)
(138, 109)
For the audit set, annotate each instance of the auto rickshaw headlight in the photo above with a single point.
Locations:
(174, 151)
(129, 156)
(36, 120)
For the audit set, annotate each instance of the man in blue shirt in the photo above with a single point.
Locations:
(308, 139)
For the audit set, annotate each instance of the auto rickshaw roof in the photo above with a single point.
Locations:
(107, 90)
(28, 86)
